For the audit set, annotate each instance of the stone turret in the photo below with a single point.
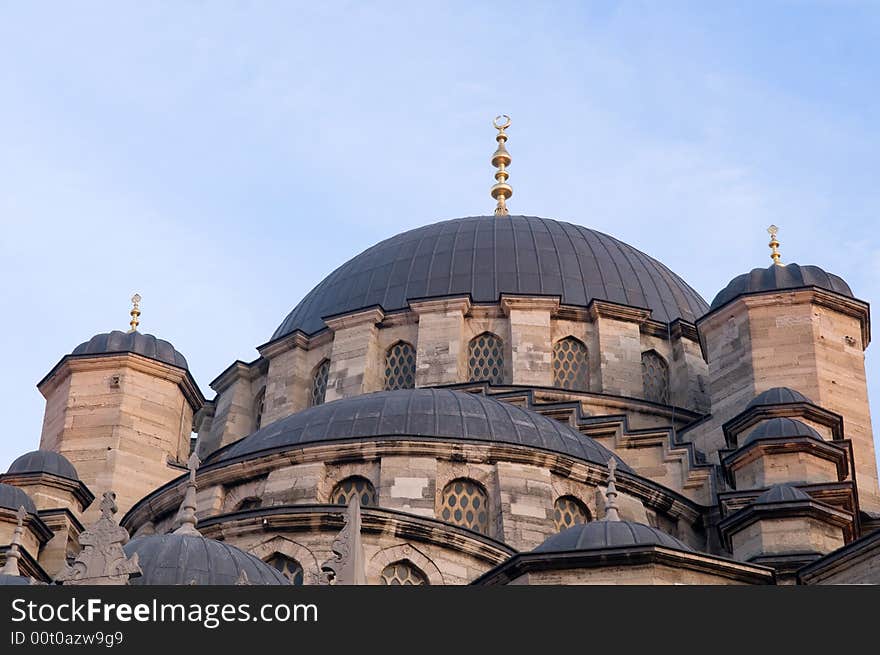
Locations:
(120, 408)
(791, 326)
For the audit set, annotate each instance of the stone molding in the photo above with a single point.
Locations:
(406, 552)
(73, 363)
(76, 488)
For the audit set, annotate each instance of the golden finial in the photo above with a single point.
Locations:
(774, 245)
(135, 312)
(501, 190)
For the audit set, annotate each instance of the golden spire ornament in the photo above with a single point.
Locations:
(135, 312)
(501, 190)
(774, 245)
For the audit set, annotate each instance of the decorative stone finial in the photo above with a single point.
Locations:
(611, 513)
(501, 190)
(774, 245)
(135, 312)
(102, 560)
(348, 567)
(187, 513)
(14, 553)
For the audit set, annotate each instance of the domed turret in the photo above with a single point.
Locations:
(120, 408)
(779, 278)
(778, 396)
(43, 461)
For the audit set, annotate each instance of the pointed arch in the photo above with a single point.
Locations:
(571, 364)
(400, 366)
(655, 377)
(486, 358)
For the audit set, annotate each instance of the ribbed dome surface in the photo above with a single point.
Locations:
(420, 413)
(778, 396)
(609, 534)
(781, 427)
(777, 278)
(182, 559)
(486, 256)
(44, 461)
(781, 493)
(132, 342)
(12, 498)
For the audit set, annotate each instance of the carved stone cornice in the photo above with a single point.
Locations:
(239, 370)
(103, 361)
(604, 309)
(750, 417)
(374, 520)
(297, 339)
(548, 304)
(781, 445)
(76, 488)
(369, 316)
(852, 307)
(441, 305)
(622, 557)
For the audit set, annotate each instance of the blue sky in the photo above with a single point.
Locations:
(221, 158)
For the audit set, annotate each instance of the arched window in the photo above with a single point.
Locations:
(354, 486)
(465, 503)
(319, 383)
(486, 358)
(402, 573)
(259, 406)
(571, 369)
(289, 567)
(569, 511)
(248, 503)
(655, 377)
(400, 366)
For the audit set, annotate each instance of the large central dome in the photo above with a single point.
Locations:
(486, 256)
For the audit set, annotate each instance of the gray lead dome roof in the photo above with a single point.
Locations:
(778, 278)
(12, 498)
(44, 461)
(132, 342)
(609, 534)
(437, 414)
(778, 396)
(183, 559)
(486, 256)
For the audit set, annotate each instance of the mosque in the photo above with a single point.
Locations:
(487, 400)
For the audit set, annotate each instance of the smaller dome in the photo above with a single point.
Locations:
(777, 278)
(132, 342)
(184, 559)
(609, 534)
(775, 428)
(44, 461)
(781, 493)
(13, 498)
(778, 396)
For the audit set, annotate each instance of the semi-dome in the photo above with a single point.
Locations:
(44, 461)
(778, 278)
(778, 396)
(609, 534)
(783, 492)
(185, 559)
(484, 257)
(407, 414)
(146, 345)
(776, 428)
(12, 498)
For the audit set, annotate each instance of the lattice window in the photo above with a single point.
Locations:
(400, 366)
(259, 406)
(403, 573)
(354, 486)
(319, 383)
(571, 368)
(486, 358)
(569, 511)
(464, 503)
(655, 377)
(290, 568)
